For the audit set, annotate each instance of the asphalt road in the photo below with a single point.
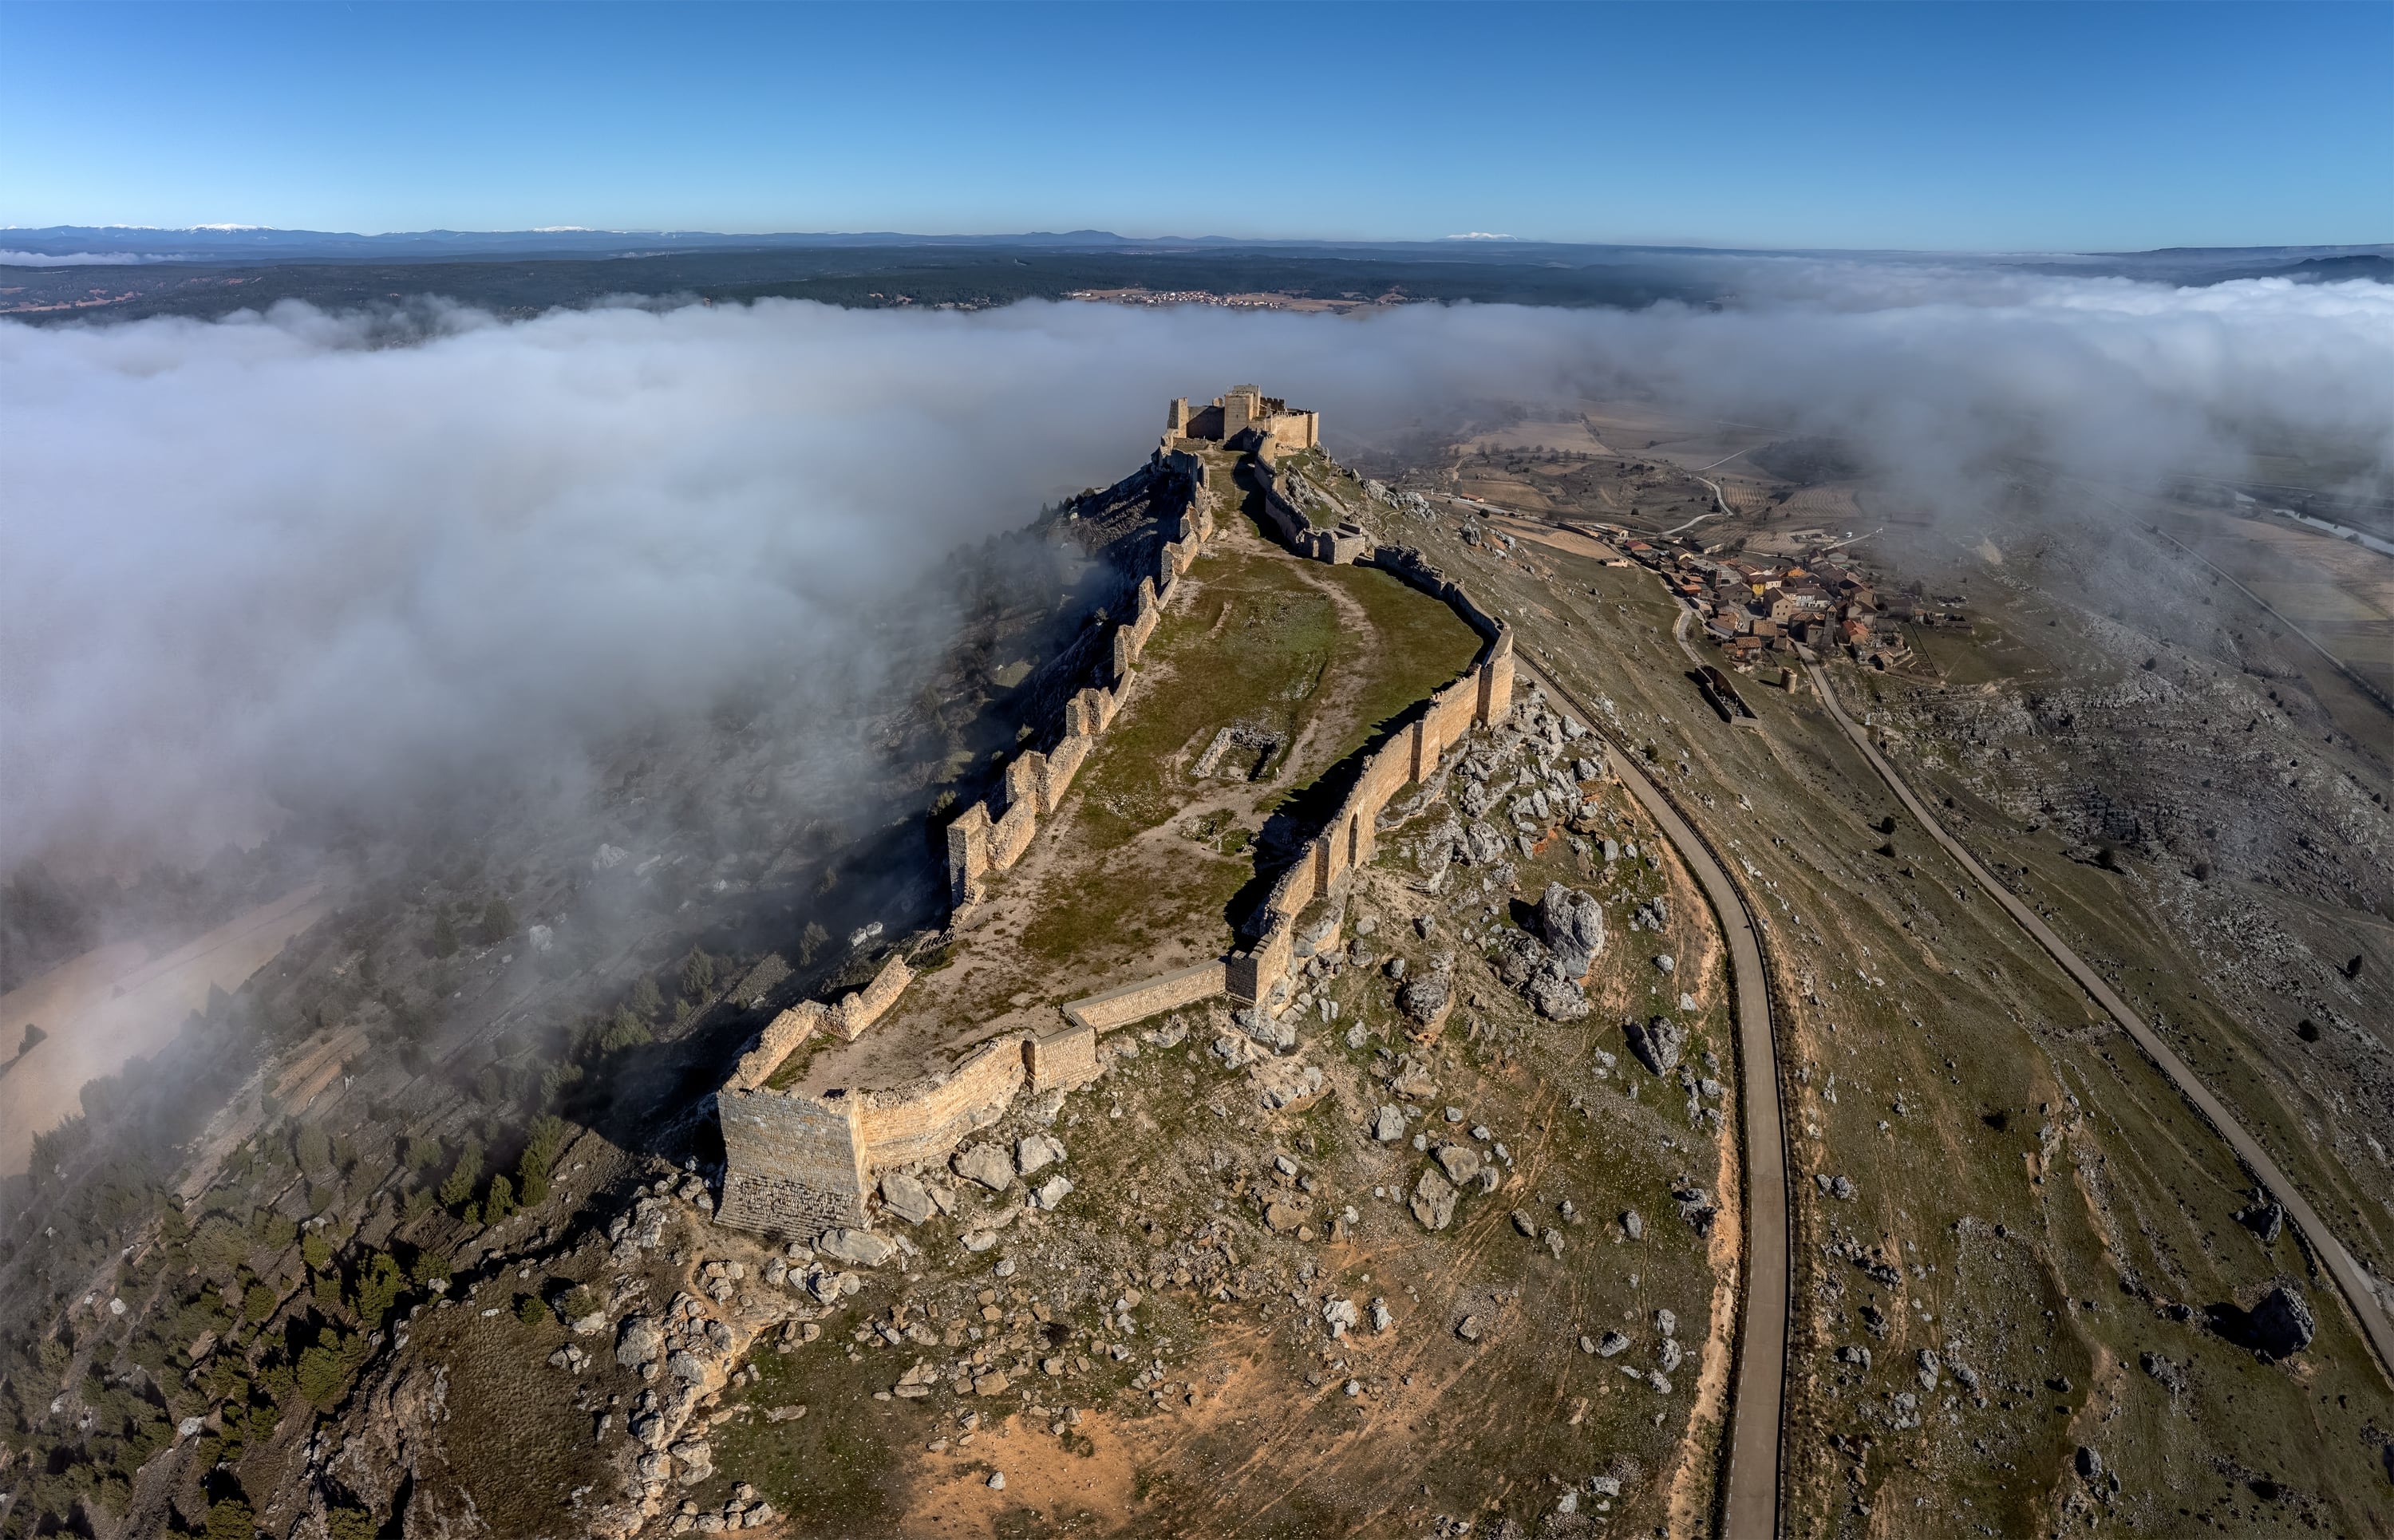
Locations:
(2339, 1262)
(1749, 1508)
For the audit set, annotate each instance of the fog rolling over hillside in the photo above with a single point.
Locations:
(336, 563)
(473, 734)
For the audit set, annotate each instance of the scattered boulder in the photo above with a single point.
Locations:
(1389, 1123)
(1614, 1344)
(1460, 1161)
(1633, 1225)
(1572, 924)
(1265, 1027)
(902, 1193)
(1526, 1225)
(1517, 958)
(638, 1342)
(857, 1247)
(1657, 1044)
(2090, 1464)
(1555, 998)
(1284, 1082)
(2264, 1217)
(1695, 1207)
(1340, 1315)
(1053, 1192)
(2281, 1323)
(1426, 999)
(1482, 845)
(1433, 1201)
(1035, 1153)
(986, 1164)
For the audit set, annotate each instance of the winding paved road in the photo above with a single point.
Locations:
(1749, 1505)
(2349, 1279)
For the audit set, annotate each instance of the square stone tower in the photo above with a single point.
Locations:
(1242, 405)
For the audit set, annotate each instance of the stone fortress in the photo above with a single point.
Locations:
(801, 1164)
(1242, 417)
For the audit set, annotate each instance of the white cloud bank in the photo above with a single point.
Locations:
(73, 259)
(363, 556)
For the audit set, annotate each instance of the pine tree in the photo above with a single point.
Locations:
(464, 1175)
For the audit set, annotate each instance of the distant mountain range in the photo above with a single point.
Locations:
(234, 243)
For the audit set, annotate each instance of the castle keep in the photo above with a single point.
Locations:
(801, 1164)
(1242, 417)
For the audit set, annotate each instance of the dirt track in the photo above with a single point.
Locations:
(2349, 1279)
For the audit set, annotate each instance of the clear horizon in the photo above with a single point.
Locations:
(1953, 128)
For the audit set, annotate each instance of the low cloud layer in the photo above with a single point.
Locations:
(365, 553)
(72, 260)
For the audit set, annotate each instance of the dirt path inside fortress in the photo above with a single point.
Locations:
(1135, 873)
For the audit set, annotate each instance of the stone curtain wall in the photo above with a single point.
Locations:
(776, 1042)
(793, 1026)
(1119, 1008)
(924, 1121)
(981, 844)
(799, 1165)
(863, 1008)
(912, 1125)
(1349, 836)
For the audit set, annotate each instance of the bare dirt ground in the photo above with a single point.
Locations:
(117, 1003)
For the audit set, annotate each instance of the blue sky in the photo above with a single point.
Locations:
(2004, 127)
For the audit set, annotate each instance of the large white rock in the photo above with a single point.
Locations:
(1035, 1153)
(857, 1247)
(986, 1164)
